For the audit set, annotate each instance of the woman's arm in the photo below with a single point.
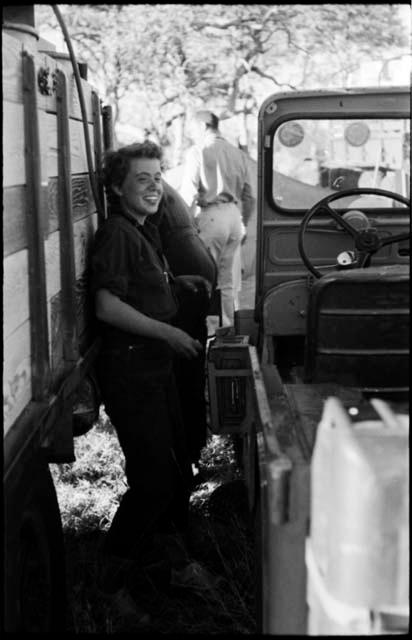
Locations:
(109, 308)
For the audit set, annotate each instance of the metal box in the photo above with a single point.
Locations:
(227, 369)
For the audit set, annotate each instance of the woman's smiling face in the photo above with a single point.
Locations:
(142, 189)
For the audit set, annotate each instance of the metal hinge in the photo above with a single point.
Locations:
(43, 81)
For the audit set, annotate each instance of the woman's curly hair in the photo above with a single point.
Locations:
(117, 163)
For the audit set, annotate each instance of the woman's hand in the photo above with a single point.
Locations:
(117, 313)
(181, 343)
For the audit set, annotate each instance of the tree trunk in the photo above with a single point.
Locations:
(179, 127)
(244, 136)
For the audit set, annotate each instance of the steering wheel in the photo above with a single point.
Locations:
(367, 241)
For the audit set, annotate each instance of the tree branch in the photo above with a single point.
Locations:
(172, 118)
(223, 25)
(168, 100)
(261, 73)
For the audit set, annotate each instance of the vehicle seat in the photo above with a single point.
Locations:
(358, 329)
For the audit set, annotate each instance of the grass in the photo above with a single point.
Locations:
(89, 491)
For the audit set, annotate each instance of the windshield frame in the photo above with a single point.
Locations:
(298, 116)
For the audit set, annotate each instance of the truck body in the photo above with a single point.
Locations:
(322, 360)
(50, 215)
(315, 349)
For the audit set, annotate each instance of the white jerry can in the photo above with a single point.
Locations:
(357, 554)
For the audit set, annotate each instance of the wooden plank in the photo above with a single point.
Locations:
(14, 210)
(69, 328)
(14, 220)
(62, 61)
(56, 346)
(16, 374)
(83, 308)
(14, 169)
(13, 86)
(77, 146)
(84, 312)
(98, 155)
(12, 71)
(14, 144)
(83, 231)
(306, 402)
(107, 116)
(15, 291)
(16, 282)
(35, 234)
(83, 204)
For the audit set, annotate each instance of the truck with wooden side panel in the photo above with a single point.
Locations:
(313, 382)
(53, 125)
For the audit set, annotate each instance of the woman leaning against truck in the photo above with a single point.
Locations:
(135, 304)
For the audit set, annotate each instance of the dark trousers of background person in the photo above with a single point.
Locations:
(140, 397)
(190, 374)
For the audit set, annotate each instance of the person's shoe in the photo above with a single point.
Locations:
(125, 607)
(193, 576)
(175, 550)
(112, 573)
(149, 586)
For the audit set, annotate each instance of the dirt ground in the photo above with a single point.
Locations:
(221, 543)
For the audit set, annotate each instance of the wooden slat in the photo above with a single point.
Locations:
(13, 145)
(98, 151)
(84, 231)
(77, 146)
(83, 308)
(73, 97)
(35, 234)
(16, 374)
(56, 345)
(14, 220)
(14, 210)
(82, 200)
(83, 236)
(12, 79)
(107, 116)
(12, 68)
(15, 291)
(69, 329)
(14, 170)
(84, 312)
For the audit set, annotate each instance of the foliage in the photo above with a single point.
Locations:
(89, 491)
(169, 58)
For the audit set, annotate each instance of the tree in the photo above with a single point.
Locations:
(170, 59)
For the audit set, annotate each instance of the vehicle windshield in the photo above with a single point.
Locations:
(315, 158)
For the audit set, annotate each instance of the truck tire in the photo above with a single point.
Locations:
(34, 560)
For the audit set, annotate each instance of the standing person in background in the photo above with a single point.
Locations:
(186, 253)
(216, 180)
(135, 305)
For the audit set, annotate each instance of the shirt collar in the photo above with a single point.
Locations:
(212, 135)
(129, 217)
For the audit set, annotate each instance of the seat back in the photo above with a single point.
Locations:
(358, 329)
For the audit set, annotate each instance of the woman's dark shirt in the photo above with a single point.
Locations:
(127, 260)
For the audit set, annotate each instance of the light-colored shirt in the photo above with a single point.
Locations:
(216, 172)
